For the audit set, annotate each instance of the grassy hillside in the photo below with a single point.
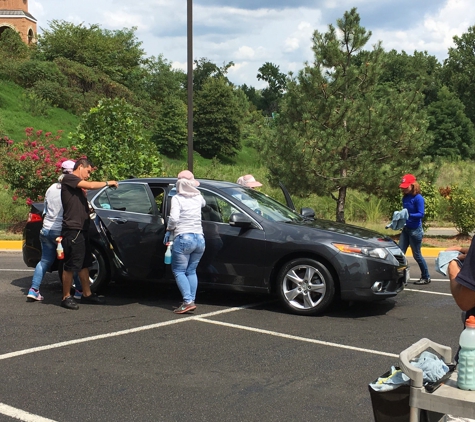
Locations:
(14, 117)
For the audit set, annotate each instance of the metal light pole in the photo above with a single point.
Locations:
(190, 82)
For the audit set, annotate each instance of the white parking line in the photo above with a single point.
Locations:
(433, 279)
(13, 270)
(427, 291)
(118, 333)
(21, 414)
(288, 336)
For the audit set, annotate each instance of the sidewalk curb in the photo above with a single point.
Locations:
(11, 245)
(16, 245)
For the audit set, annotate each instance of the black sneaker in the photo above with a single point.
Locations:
(69, 303)
(93, 299)
(422, 281)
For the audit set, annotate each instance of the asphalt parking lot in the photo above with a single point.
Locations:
(240, 357)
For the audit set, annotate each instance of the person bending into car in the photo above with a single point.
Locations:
(52, 222)
(75, 227)
(188, 243)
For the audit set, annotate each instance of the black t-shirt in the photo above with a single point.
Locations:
(466, 276)
(75, 206)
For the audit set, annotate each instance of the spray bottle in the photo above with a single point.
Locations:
(59, 248)
(168, 252)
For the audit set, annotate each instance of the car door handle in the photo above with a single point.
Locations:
(117, 220)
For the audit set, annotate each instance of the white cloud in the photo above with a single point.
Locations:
(434, 33)
(299, 38)
(245, 52)
(251, 37)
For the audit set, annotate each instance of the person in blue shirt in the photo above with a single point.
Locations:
(412, 232)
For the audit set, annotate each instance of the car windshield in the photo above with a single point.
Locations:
(262, 204)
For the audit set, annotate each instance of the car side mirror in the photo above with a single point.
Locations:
(307, 212)
(238, 219)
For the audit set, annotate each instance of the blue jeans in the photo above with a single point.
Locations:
(413, 238)
(48, 256)
(188, 248)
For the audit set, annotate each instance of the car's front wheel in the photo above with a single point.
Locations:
(305, 286)
(99, 276)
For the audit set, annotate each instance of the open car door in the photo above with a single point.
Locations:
(131, 219)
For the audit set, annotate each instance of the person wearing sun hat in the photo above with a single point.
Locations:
(188, 242)
(412, 233)
(249, 181)
(52, 222)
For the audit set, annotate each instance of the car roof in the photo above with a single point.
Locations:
(220, 184)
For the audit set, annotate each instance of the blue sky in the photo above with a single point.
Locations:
(250, 32)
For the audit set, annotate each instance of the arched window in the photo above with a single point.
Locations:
(30, 35)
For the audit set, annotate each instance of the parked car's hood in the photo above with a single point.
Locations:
(348, 232)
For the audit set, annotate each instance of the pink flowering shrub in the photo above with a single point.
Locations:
(32, 166)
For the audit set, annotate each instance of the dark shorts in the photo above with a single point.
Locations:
(77, 250)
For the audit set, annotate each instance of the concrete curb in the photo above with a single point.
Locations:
(13, 245)
(16, 245)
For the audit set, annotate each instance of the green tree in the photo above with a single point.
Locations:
(117, 53)
(170, 132)
(111, 136)
(459, 68)
(217, 119)
(402, 70)
(338, 128)
(254, 96)
(205, 69)
(159, 81)
(453, 132)
(11, 46)
(277, 82)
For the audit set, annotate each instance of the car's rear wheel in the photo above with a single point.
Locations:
(305, 286)
(99, 276)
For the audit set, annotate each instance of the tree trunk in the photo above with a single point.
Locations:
(340, 205)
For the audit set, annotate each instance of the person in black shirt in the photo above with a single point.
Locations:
(76, 220)
(462, 280)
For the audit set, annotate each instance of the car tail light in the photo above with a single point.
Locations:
(33, 218)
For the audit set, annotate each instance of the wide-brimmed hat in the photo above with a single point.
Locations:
(249, 181)
(407, 180)
(187, 174)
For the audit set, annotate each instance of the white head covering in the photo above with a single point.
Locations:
(186, 187)
(67, 166)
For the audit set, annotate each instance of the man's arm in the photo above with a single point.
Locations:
(463, 251)
(464, 297)
(83, 184)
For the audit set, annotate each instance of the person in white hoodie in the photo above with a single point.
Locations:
(188, 242)
(52, 222)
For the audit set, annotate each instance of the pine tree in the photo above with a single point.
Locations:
(339, 128)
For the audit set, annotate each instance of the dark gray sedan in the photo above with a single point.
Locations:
(253, 243)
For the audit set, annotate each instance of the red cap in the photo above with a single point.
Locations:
(407, 180)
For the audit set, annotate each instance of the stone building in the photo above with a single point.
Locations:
(14, 14)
